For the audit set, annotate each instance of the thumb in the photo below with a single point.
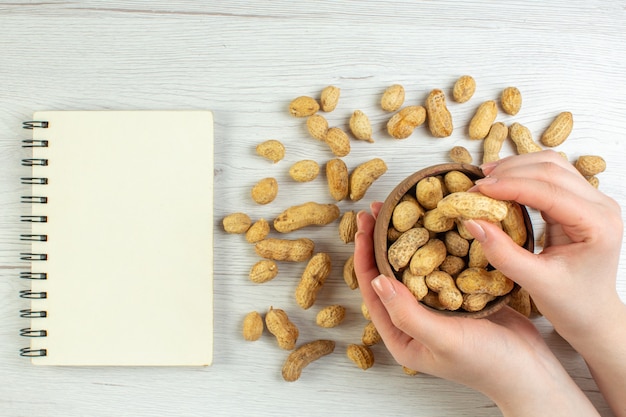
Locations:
(503, 254)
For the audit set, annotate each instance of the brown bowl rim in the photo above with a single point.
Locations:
(384, 218)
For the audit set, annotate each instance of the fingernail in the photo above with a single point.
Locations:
(384, 288)
(486, 181)
(475, 230)
(489, 166)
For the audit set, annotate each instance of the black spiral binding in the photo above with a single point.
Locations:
(32, 237)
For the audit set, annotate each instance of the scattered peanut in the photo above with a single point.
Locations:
(392, 98)
(364, 175)
(559, 129)
(317, 125)
(330, 316)
(338, 141)
(370, 335)
(349, 276)
(439, 117)
(361, 355)
(303, 106)
(461, 155)
(304, 171)
(307, 214)
(297, 250)
(303, 356)
(338, 179)
(347, 226)
(493, 142)
(265, 191)
(402, 124)
(271, 149)
(590, 165)
(360, 126)
(312, 279)
(252, 326)
(483, 119)
(523, 139)
(258, 231)
(282, 328)
(329, 98)
(463, 89)
(511, 100)
(263, 271)
(236, 223)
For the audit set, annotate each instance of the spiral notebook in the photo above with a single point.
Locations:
(121, 238)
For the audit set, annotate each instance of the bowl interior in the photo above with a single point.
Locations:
(383, 221)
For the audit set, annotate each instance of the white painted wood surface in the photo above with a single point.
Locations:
(246, 61)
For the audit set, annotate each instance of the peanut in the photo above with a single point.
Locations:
(483, 119)
(590, 165)
(402, 124)
(347, 226)
(431, 299)
(392, 98)
(559, 129)
(361, 355)
(429, 191)
(456, 181)
(236, 223)
(370, 335)
(405, 215)
(271, 149)
(520, 302)
(435, 221)
(523, 139)
(337, 178)
(303, 356)
(455, 244)
(338, 141)
(317, 125)
(304, 171)
(493, 142)
(439, 117)
(365, 312)
(285, 250)
(472, 205)
(409, 371)
(477, 258)
(428, 257)
(360, 126)
(476, 302)
(263, 271)
(461, 155)
(312, 279)
(443, 284)
(511, 100)
(303, 106)
(330, 316)
(283, 329)
(415, 283)
(402, 250)
(252, 326)
(265, 191)
(513, 223)
(307, 214)
(463, 89)
(453, 265)
(258, 231)
(364, 175)
(479, 280)
(329, 98)
(593, 181)
(349, 276)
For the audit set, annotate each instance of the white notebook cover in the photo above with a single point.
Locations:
(130, 244)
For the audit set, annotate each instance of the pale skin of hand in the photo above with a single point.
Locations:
(573, 280)
(503, 357)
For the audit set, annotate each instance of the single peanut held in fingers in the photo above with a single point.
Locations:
(307, 214)
(297, 250)
(511, 100)
(360, 126)
(303, 356)
(439, 117)
(361, 355)
(364, 175)
(483, 119)
(282, 328)
(472, 205)
(303, 106)
(493, 142)
(559, 129)
(312, 279)
(330, 98)
(392, 98)
(337, 177)
(523, 139)
(464, 89)
(252, 326)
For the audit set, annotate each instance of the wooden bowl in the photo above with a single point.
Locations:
(383, 222)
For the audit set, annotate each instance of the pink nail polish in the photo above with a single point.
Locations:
(486, 181)
(475, 230)
(384, 288)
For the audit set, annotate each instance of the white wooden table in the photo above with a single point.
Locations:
(246, 61)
